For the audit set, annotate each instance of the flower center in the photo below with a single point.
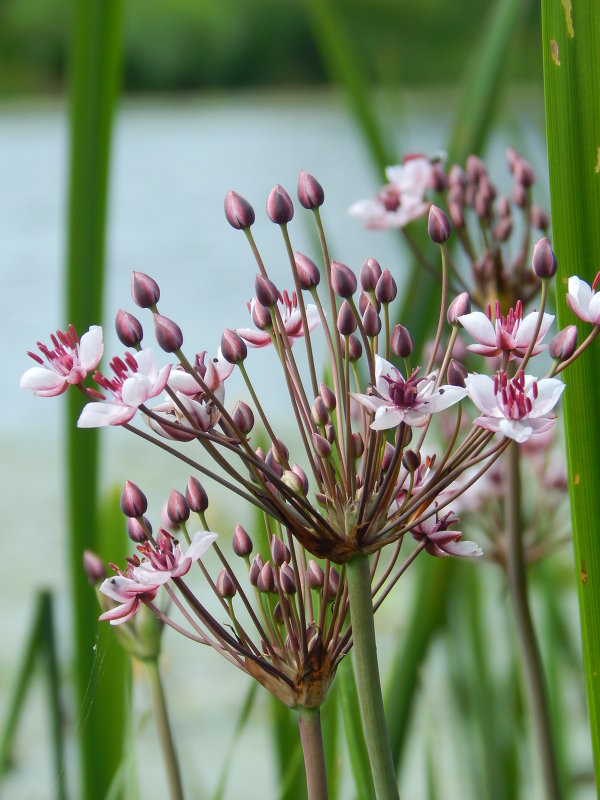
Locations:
(511, 397)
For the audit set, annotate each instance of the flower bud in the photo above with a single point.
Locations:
(278, 612)
(386, 289)
(292, 481)
(411, 460)
(255, 569)
(457, 178)
(196, 496)
(168, 334)
(330, 433)
(279, 551)
(241, 542)
(273, 463)
(328, 397)
(165, 519)
(354, 348)
(243, 417)
(133, 500)
(519, 195)
(388, 454)
(177, 508)
(261, 316)
(346, 322)
(371, 321)
(503, 207)
(539, 218)
(512, 157)
(365, 300)
(334, 582)
(238, 211)
(265, 581)
(310, 191)
(129, 329)
(287, 579)
(503, 229)
(358, 446)
(456, 373)
(279, 452)
(266, 291)
(438, 225)
(321, 445)
(343, 280)
(457, 215)
(315, 575)
(564, 343)
(543, 259)
(475, 169)
(136, 530)
(144, 290)
(438, 181)
(401, 343)
(524, 173)
(279, 206)
(233, 347)
(370, 272)
(301, 475)
(93, 567)
(308, 273)
(225, 585)
(318, 412)
(458, 307)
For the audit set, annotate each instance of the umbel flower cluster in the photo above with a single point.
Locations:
(367, 471)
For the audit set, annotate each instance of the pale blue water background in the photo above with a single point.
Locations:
(173, 163)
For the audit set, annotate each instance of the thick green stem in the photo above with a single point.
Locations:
(309, 722)
(367, 678)
(530, 655)
(159, 704)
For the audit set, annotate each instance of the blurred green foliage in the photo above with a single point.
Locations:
(196, 44)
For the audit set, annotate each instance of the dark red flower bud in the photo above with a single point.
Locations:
(503, 229)
(265, 290)
(144, 290)
(365, 300)
(330, 433)
(196, 496)
(261, 316)
(315, 575)
(519, 195)
(456, 373)
(503, 206)
(358, 446)
(564, 343)
(457, 178)
(460, 306)
(136, 530)
(386, 289)
(308, 273)
(512, 157)
(371, 321)
(370, 272)
(457, 215)
(438, 180)
(133, 500)
(93, 567)
(328, 397)
(266, 579)
(334, 582)
(524, 173)
(168, 334)
(318, 412)
(539, 218)
(225, 585)
(401, 343)
(177, 508)
(438, 225)
(310, 191)
(241, 542)
(543, 259)
(388, 454)
(321, 445)
(411, 460)
(299, 472)
(279, 206)
(354, 348)
(279, 452)
(475, 169)
(233, 347)
(343, 279)
(129, 329)
(287, 579)
(255, 569)
(243, 417)
(346, 322)
(238, 211)
(279, 551)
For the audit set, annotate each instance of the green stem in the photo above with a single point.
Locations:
(309, 722)
(165, 736)
(528, 647)
(367, 678)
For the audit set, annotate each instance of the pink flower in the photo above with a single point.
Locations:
(400, 201)
(518, 407)
(69, 363)
(583, 300)
(142, 580)
(510, 334)
(410, 400)
(137, 379)
(290, 314)
(442, 542)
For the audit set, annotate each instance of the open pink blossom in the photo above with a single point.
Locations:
(583, 300)
(143, 578)
(402, 199)
(441, 541)
(507, 334)
(410, 400)
(290, 314)
(69, 363)
(517, 408)
(137, 379)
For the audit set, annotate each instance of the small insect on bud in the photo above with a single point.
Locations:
(196, 496)
(371, 321)
(411, 460)
(370, 272)
(401, 343)
(177, 508)
(457, 373)
(543, 259)
(233, 347)
(93, 567)
(241, 542)
(238, 211)
(310, 191)
(225, 585)
(346, 321)
(287, 579)
(321, 445)
(386, 289)
(328, 397)
(315, 575)
(539, 218)
(279, 551)
(144, 290)
(438, 225)
(129, 329)
(133, 500)
(280, 208)
(266, 579)
(308, 273)
(460, 306)
(136, 530)
(243, 417)
(564, 343)
(255, 569)
(266, 291)
(343, 280)
(168, 334)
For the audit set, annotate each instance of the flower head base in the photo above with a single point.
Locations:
(511, 334)
(69, 363)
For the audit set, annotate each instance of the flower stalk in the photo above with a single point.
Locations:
(309, 723)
